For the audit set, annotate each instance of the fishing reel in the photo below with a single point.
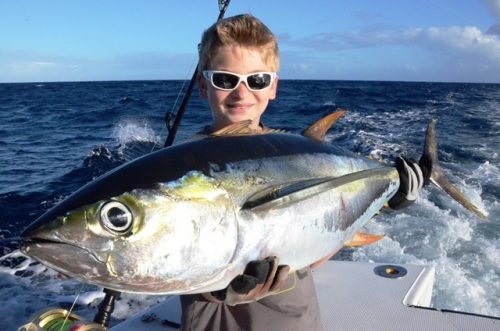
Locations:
(58, 319)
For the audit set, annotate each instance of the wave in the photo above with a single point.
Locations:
(29, 287)
(58, 137)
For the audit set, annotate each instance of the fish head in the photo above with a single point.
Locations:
(169, 239)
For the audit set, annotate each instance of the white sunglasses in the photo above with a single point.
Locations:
(228, 81)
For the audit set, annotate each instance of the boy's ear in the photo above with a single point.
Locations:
(274, 88)
(202, 86)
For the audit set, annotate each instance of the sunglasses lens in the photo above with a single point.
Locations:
(224, 80)
(259, 81)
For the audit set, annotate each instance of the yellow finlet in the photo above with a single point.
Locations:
(318, 130)
(363, 239)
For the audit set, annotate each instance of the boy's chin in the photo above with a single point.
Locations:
(235, 117)
(238, 112)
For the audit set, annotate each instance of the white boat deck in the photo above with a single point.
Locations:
(354, 296)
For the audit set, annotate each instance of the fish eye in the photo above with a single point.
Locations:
(116, 217)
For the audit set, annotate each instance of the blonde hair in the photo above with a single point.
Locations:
(241, 30)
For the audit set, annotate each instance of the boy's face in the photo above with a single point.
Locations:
(229, 107)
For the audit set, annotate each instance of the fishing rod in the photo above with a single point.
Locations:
(172, 120)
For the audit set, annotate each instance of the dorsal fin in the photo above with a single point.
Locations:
(318, 130)
(363, 239)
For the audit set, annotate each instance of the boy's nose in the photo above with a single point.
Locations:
(242, 89)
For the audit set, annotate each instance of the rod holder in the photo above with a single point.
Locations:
(106, 307)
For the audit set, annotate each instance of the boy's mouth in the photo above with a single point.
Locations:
(239, 108)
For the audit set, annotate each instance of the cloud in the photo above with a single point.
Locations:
(22, 68)
(19, 66)
(28, 66)
(343, 40)
(494, 7)
(467, 48)
(466, 41)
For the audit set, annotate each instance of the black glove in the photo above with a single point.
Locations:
(260, 279)
(411, 180)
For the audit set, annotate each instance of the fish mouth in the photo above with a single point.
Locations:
(28, 244)
(44, 242)
(67, 258)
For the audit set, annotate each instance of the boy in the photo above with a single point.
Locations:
(237, 75)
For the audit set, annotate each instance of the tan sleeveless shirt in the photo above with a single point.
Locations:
(296, 309)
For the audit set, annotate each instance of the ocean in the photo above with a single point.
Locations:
(55, 137)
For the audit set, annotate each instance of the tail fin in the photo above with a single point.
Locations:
(434, 174)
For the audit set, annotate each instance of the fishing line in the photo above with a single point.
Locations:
(194, 64)
(184, 81)
(169, 121)
(72, 307)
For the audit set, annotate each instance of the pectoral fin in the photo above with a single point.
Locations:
(284, 194)
(363, 239)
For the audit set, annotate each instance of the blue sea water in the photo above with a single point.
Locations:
(55, 137)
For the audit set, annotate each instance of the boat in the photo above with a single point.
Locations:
(354, 296)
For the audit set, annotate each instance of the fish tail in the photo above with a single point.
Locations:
(433, 173)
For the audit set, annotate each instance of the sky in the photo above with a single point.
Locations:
(390, 40)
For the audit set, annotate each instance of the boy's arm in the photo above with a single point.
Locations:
(260, 279)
